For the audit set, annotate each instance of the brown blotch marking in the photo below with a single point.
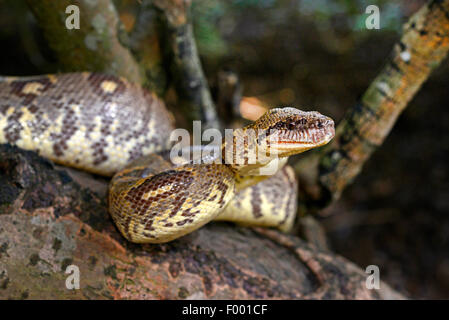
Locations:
(95, 80)
(183, 222)
(255, 201)
(290, 208)
(33, 108)
(126, 227)
(136, 151)
(13, 127)
(98, 151)
(141, 130)
(98, 147)
(17, 88)
(278, 126)
(149, 235)
(179, 182)
(68, 129)
(223, 188)
(149, 225)
(4, 108)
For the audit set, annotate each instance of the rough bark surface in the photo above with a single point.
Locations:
(145, 46)
(176, 37)
(96, 46)
(422, 47)
(51, 218)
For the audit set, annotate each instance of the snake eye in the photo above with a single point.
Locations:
(291, 126)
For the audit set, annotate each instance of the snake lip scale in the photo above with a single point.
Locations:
(106, 125)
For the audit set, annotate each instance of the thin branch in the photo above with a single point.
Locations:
(178, 41)
(95, 46)
(424, 44)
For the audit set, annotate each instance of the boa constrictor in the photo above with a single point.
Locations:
(108, 126)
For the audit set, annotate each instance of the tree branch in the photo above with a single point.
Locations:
(95, 46)
(424, 44)
(50, 219)
(177, 38)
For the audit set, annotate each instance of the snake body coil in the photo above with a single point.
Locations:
(105, 125)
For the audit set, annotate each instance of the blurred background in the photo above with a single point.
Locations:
(318, 55)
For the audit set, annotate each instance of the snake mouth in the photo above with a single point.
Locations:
(315, 136)
(295, 147)
(298, 135)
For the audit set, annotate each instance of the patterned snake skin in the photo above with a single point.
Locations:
(105, 125)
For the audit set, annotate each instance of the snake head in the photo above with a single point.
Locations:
(287, 131)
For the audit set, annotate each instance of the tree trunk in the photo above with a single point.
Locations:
(96, 46)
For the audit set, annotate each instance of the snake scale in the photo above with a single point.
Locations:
(105, 125)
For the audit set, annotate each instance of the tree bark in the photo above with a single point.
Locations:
(145, 46)
(422, 47)
(96, 46)
(176, 37)
(51, 219)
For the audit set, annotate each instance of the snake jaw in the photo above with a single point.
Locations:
(294, 131)
(303, 139)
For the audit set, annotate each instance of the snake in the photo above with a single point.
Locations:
(109, 126)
